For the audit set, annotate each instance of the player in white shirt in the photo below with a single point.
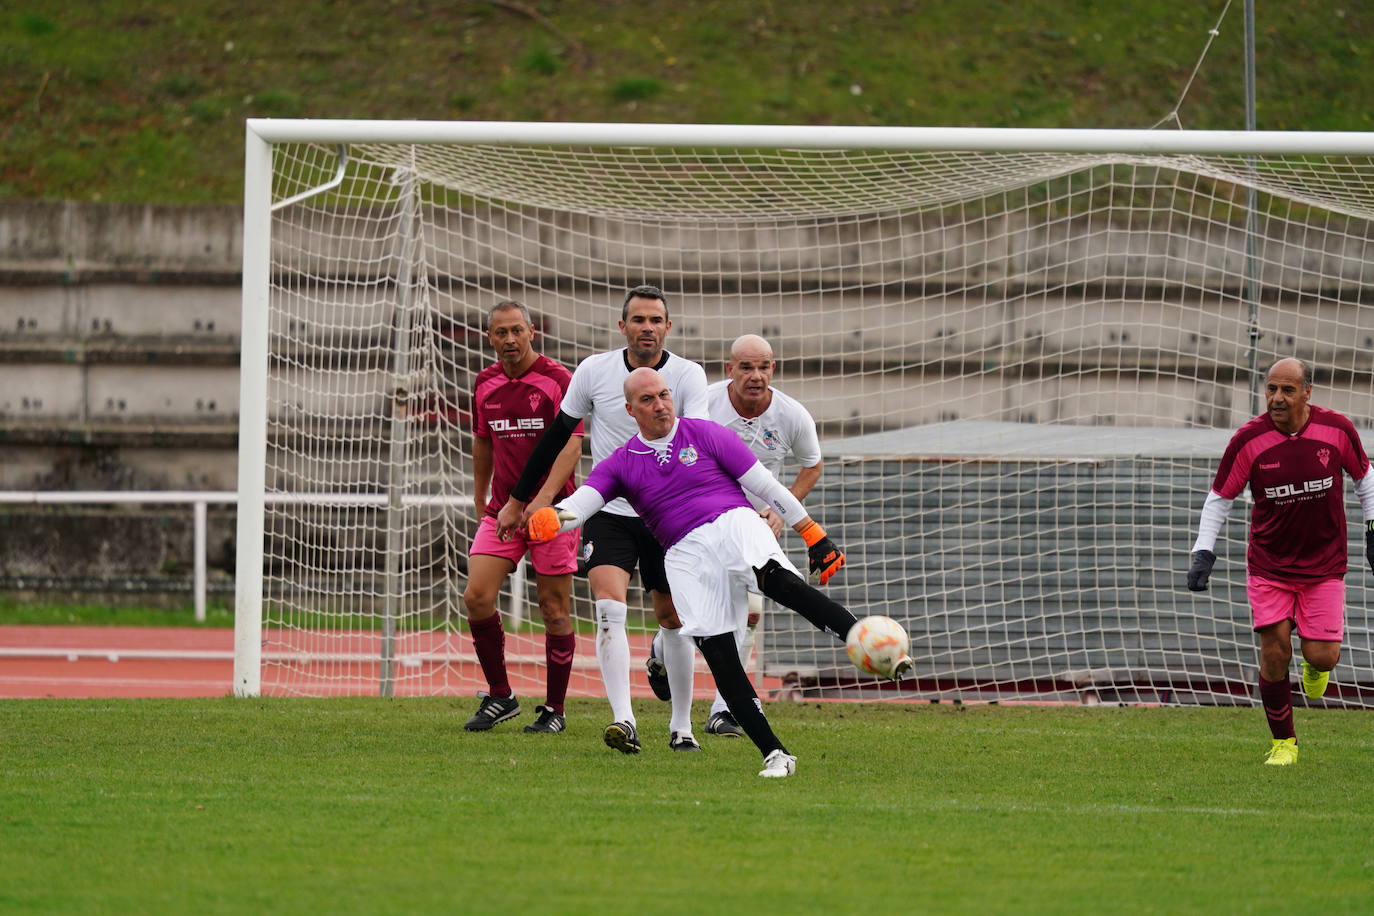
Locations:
(615, 541)
(771, 422)
(774, 425)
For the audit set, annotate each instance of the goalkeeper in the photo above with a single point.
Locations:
(686, 478)
(1291, 457)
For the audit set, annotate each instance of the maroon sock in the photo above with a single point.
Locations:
(558, 653)
(489, 639)
(1277, 697)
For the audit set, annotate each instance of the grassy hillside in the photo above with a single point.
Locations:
(131, 100)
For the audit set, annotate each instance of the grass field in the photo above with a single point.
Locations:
(57, 614)
(366, 806)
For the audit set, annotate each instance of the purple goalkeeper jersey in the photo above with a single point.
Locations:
(1297, 527)
(681, 487)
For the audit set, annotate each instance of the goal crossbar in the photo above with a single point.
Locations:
(763, 136)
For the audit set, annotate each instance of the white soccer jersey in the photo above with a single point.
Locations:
(596, 395)
(786, 427)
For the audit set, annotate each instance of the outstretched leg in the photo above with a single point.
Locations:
(792, 591)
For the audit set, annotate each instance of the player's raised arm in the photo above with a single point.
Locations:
(805, 482)
(550, 521)
(824, 557)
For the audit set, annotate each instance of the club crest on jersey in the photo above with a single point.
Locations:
(688, 456)
(1323, 455)
(770, 439)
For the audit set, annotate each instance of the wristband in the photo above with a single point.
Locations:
(811, 532)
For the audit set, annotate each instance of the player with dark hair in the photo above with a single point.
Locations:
(1291, 457)
(687, 480)
(514, 399)
(615, 542)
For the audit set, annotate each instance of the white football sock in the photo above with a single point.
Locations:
(613, 655)
(679, 657)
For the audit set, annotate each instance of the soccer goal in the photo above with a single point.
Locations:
(1025, 350)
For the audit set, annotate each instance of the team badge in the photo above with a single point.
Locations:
(770, 439)
(688, 456)
(1323, 455)
(535, 398)
(586, 551)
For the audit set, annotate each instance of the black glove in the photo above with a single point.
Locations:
(1201, 570)
(824, 557)
(1369, 543)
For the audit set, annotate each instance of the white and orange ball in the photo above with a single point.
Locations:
(875, 644)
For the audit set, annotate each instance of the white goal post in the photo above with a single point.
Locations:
(1025, 351)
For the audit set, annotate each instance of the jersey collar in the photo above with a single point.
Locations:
(625, 358)
(665, 441)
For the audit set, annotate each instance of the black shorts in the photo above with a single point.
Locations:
(624, 540)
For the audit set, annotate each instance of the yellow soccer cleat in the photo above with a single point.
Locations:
(1284, 752)
(1314, 681)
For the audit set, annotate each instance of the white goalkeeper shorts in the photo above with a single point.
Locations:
(711, 571)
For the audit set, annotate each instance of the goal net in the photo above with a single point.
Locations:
(1025, 352)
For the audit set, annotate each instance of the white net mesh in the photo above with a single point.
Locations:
(1024, 367)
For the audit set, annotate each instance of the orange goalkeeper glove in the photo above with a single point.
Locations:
(545, 524)
(824, 556)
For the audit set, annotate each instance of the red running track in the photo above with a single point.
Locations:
(115, 662)
(96, 662)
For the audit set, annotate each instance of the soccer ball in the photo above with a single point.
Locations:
(875, 645)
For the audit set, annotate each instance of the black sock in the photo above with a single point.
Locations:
(722, 657)
(792, 591)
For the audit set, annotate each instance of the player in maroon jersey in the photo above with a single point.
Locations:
(1291, 457)
(514, 400)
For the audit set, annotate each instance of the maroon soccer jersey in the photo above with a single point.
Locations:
(1297, 528)
(513, 413)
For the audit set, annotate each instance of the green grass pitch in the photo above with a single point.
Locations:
(387, 806)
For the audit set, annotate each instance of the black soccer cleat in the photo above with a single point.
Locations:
(622, 737)
(723, 724)
(493, 711)
(547, 721)
(683, 741)
(658, 676)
